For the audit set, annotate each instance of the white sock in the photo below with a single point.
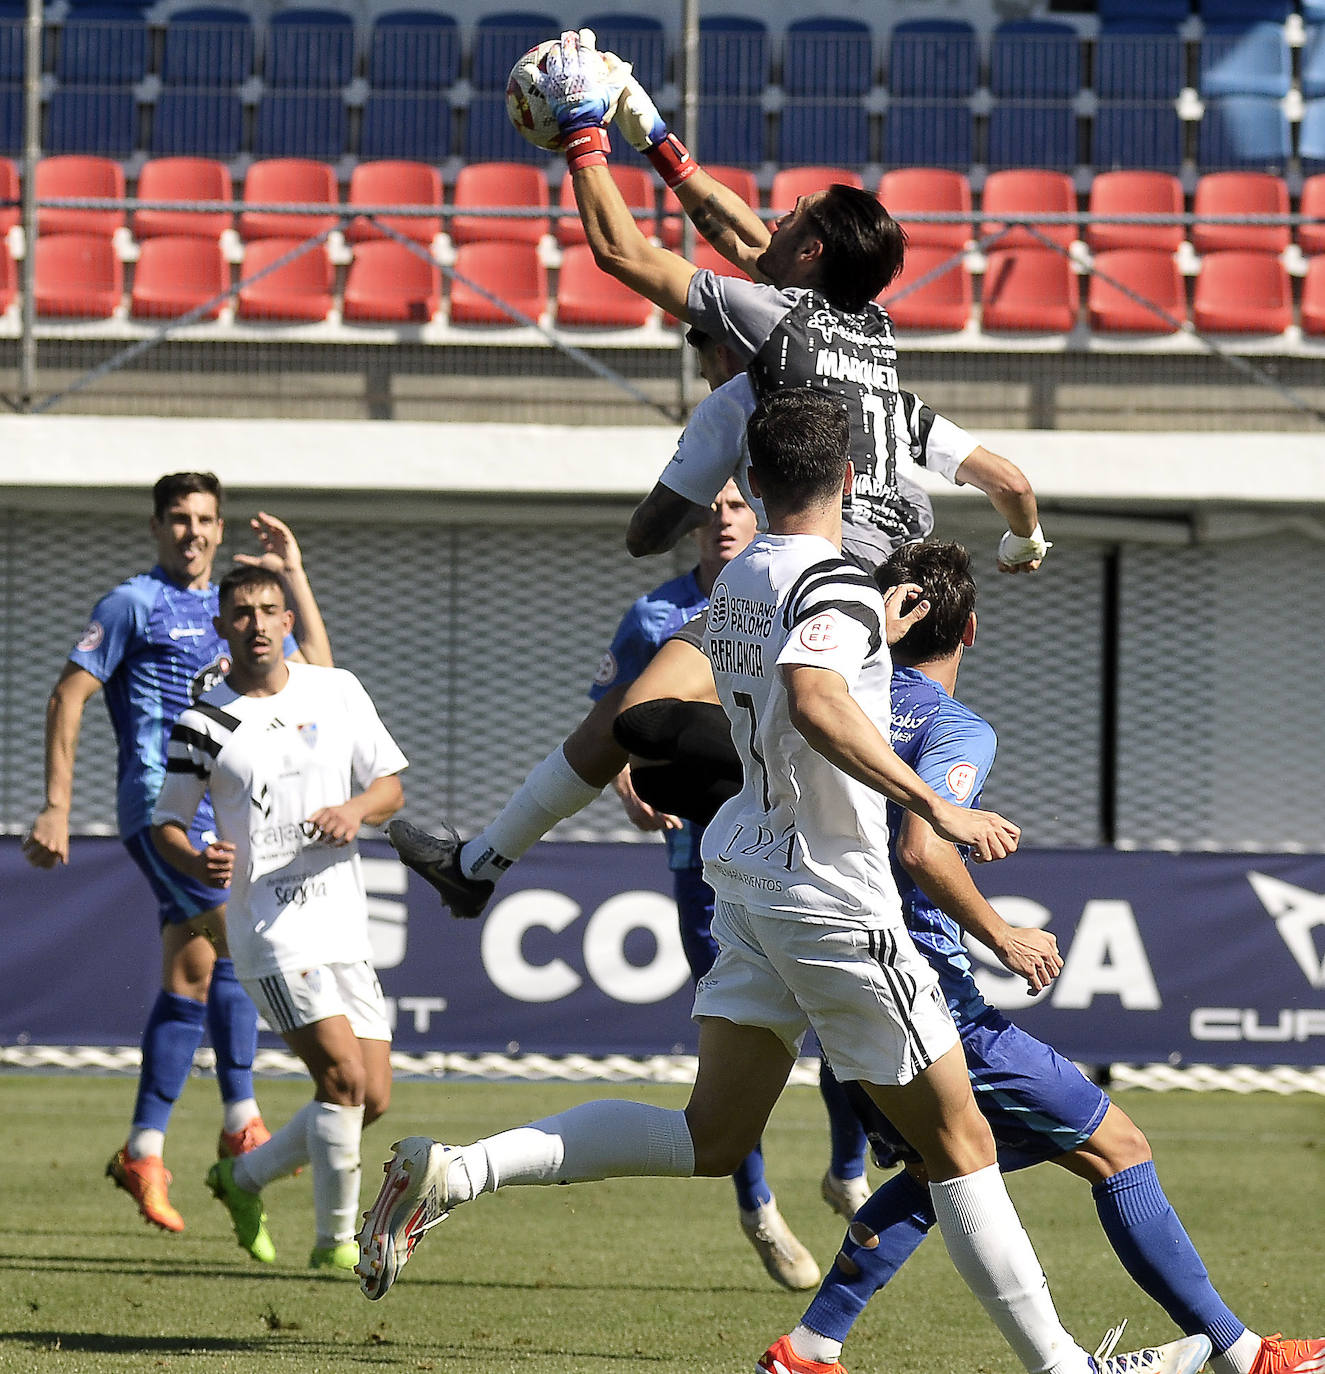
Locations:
(553, 791)
(993, 1255)
(1239, 1357)
(609, 1139)
(334, 1134)
(143, 1142)
(286, 1151)
(237, 1115)
(810, 1345)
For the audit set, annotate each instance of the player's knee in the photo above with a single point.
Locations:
(376, 1100)
(343, 1083)
(1125, 1144)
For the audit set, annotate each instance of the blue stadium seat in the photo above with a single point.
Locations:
(310, 124)
(826, 56)
(638, 39)
(500, 38)
(1313, 63)
(932, 59)
(11, 120)
(1243, 11)
(92, 120)
(1034, 59)
(1153, 11)
(193, 123)
(414, 50)
(309, 49)
(733, 55)
(1137, 61)
(1041, 131)
(1311, 137)
(208, 47)
(102, 47)
(491, 137)
(11, 43)
(928, 133)
(1251, 59)
(731, 131)
(414, 126)
(824, 132)
(1127, 134)
(1243, 131)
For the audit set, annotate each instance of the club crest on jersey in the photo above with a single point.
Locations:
(719, 609)
(91, 637)
(308, 732)
(606, 670)
(961, 779)
(820, 634)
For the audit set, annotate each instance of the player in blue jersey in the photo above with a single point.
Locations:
(152, 646)
(1038, 1104)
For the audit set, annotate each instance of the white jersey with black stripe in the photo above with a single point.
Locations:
(801, 837)
(270, 763)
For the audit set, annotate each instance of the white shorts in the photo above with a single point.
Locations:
(873, 1000)
(289, 1001)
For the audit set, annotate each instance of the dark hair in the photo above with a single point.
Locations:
(942, 569)
(864, 246)
(798, 447)
(173, 485)
(247, 575)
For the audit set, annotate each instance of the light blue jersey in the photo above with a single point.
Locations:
(952, 749)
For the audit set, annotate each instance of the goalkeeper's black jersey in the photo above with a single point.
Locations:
(853, 358)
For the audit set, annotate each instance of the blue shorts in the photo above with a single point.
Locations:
(1038, 1104)
(694, 911)
(179, 897)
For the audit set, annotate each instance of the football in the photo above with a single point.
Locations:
(526, 104)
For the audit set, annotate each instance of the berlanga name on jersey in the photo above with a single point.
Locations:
(736, 656)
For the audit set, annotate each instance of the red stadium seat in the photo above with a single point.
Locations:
(389, 283)
(500, 185)
(301, 290)
(9, 190)
(396, 183)
(637, 190)
(510, 271)
(1311, 237)
(738, 179)
(1135, 193)
(183, 178)
(1029, 290)
(588, 296)
(79, 177)
(927, 189)
(945, 303)
(297, 181)
(793, 182)
(708, 257)
(1242, 293)
(1313, 297)
(176, 275)
(1153, 275)
(8, 278)
(77, 275)
(1240, 193)
(1022, 191)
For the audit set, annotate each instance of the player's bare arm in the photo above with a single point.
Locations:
(214, 864)
(1009, 491)
(638, 812)
(281, 554)
(47, 842)
(660, 520)
(823, 710)
(338, 825)
(939, 872)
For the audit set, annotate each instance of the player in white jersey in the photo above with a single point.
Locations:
(296, 760)
(810, 931)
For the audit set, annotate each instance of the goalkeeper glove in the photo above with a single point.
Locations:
(582, 91)
(1016, 549)
(646, 130)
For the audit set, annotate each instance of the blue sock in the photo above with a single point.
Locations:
(899, 1214)
(1148, 1238)
(752, 1188)
(845, 1132)
(172, 1035)
(232, 1023)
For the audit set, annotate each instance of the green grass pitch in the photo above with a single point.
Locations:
(622, 1277)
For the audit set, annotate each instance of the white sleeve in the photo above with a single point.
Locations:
(936, 443)
(189, 756)
(837, 623)
(709, 452)
(374, 754)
